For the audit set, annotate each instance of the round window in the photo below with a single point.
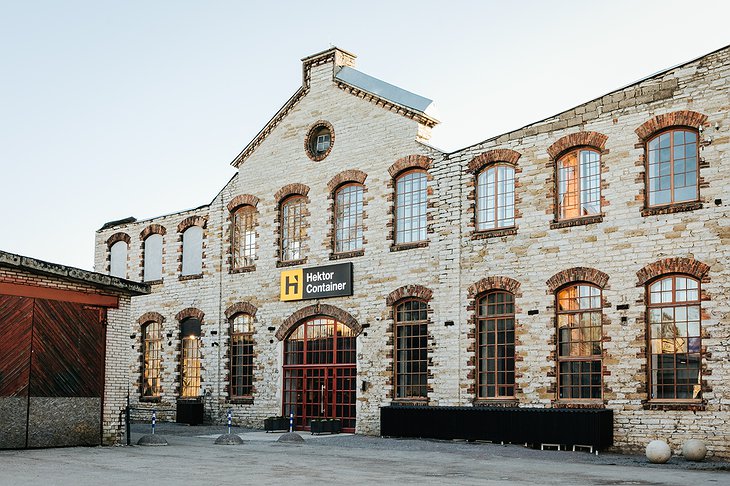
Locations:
(319, 141)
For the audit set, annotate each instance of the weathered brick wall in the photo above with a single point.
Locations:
(370, 139)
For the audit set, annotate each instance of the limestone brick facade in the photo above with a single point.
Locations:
(620, 250)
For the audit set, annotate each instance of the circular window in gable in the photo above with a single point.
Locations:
(319, 141)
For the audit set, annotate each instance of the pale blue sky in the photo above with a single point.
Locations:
(111, 109)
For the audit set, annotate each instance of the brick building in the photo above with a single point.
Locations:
(578, 262)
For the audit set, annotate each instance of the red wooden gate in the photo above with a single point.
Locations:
(51, 372)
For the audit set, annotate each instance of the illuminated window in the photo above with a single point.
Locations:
(410, 207)
(190, 358)
(153, 258)
(118, 263)
(675, 340)
(496, 198)
(579, 342)
(192, 257)
(496, 345)
(672, 167)
(241, 355)
(349, 218)
(243, 238)
(292, 228)
(579, 184)
(411, 345)
(151, 366)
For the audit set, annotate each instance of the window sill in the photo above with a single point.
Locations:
(578, 404)
(153, 282)
(412, 402)
(150, 399)
(493, 233)
(240, 400)
(291, 263)
(347, 254)
(672, 208)
(496, 402)
(408, 246)
(569, 223)
(246, 269)
(689, 405)
(183, 278)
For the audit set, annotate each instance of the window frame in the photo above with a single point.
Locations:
(359, 217)
(190, 365)
(581, 189)
(240, 244)
(674, 304)
(298, 225)
(423, 338)
(479, 200)
(398, 231)
(147, 259)
(647, 170)
(191, 250)
(481, 350)
(119, 260)
(245, 369)
(156, 392)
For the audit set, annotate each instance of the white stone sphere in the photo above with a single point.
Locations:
(658, 452)
(694, 450)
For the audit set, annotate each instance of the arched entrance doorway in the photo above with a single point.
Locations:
(320, 373)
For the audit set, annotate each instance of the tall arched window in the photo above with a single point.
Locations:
(675, 338)
(411, 350)
(241, 355)
(118, 262)
(292, 228)
(349, 218)
(496, 345)
(152, 365)
(411, 194)
(496, 197)
(153, 258)
(580, 334)
(190, 358)
(579, 184)
(672, 170)
(243, 237)
(192, 258)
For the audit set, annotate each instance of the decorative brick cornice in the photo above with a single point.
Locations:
(151, 317)
(687, 266)
(191, 221)
(153, 229)
(190, 312)
(684, 118)
(409, 291)
(242, 200)
(350, 175)
(498, 155)
(577, 274)
(493, 283)
(290, 189)
(579, 139)
(418, 116)
(117, 237)
(291, 322)
(241, 308)
(410, 162)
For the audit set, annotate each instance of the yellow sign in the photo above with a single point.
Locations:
(292, 284)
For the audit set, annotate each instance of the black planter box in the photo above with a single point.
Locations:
(565, 426)
(276, 423)
(190, 412)
(325, 426)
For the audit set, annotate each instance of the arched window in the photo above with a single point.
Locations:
(241, 355)
(496, 345)
(192, 258)
(675, 342)
(580, 335)
(349, 218)
(152, 353)
(118, 256)
(672, 169)
(411, 195)
(292, 228)
(496, 197)
(579, 184)
(243, 237)
(153, 258)
(190, 358)
(411, 346)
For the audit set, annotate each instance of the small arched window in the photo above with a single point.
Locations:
(411, 195)
(349, 218)
(292, 228)
(152, 354)
(496, 345)
(192, 258)
(579, 184)
(496, 197)
(411, 350)
(153, 258)
(675, 338)
(241, 355)
(672, 171)
(118, 262)
(243, 237)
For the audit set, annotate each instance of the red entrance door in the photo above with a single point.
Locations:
(320, 373)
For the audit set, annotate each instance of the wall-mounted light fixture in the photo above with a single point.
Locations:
(448, 323)
(533, 312)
